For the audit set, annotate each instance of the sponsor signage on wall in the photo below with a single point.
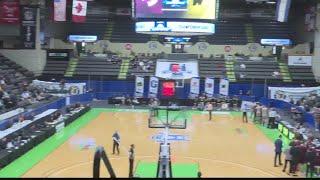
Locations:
(194, 87)
(28, 27)
(295, 94)
(139, 86)
(224, 87)
(153, 87)
(276, 42)
(209, 87)
(300, 60)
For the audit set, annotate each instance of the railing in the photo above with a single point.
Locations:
(98, 155)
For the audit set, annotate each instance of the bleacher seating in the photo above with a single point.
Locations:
(94, 66)
(54, 67)
(272, 30)
(212, 68)
(257, 70)
(16, 80)
(301, 73)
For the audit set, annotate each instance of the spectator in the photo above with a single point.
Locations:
(295, 157)
(278, 151)
(288, 160)
(310, 160)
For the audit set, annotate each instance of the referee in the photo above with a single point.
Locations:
(131, 160)
(209, 109)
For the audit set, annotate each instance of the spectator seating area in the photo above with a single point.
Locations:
(24, 134)
(212, 68)
(301, 73)
(272, 30)
(96, 66)
(55, 67)
(15, 87)
(259, 70)
(142, 66)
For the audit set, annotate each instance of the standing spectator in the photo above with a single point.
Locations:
(295, 157)
(264, 115)
(131, 160)
(310, 160)
(278, 151)
(116, 142)
(288, 160)
(316, 113)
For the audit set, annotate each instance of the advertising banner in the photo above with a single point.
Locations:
(153, 87)
(300, 60)
(209, 87)
(55, 88)
(224, 87)
(288, 94)
(139, 86)
(28, 27)
(194, 87)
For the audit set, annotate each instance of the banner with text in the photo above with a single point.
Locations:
(28, 27)
(55, 88)
(300, 60)
(153, 87)
(194, 87)
(288, 94)
(209, 87)
(224, 87)
(139, 86)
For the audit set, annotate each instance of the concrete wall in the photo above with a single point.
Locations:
(33, 60)
(316, 57)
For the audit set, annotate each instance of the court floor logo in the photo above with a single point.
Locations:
(171, 137)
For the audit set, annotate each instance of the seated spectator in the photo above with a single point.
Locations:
(276, 74)
(30, 116)
(21, 119)
(242, 66)
(3, 143)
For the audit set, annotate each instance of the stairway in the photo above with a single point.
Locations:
(285, 72)
(124, 68)
(230, 71)
(73, 62)
(250, 33)
(109, 30)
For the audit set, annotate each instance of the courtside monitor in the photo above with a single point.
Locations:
(177, 9)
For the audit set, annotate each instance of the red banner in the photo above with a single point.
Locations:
(9, 12)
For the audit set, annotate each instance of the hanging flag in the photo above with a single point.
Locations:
(153, 87)
(209, 87)
(59, 13)
(79, 11)
(139, 87)
(194, 87)
(224, 87)
(9, 12)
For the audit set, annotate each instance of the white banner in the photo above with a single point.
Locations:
(153, 87)
(60, 7)
(176, 69)
(247, 105)
(300, 60)
(172, 26)
(194, 87)
(224, 87)
(139, 87)
(55, 88)
(286, 94)
(209, 87)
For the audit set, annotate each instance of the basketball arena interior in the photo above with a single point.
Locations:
(159, 88)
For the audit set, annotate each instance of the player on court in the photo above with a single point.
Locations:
(209, 109)
(116, 142)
